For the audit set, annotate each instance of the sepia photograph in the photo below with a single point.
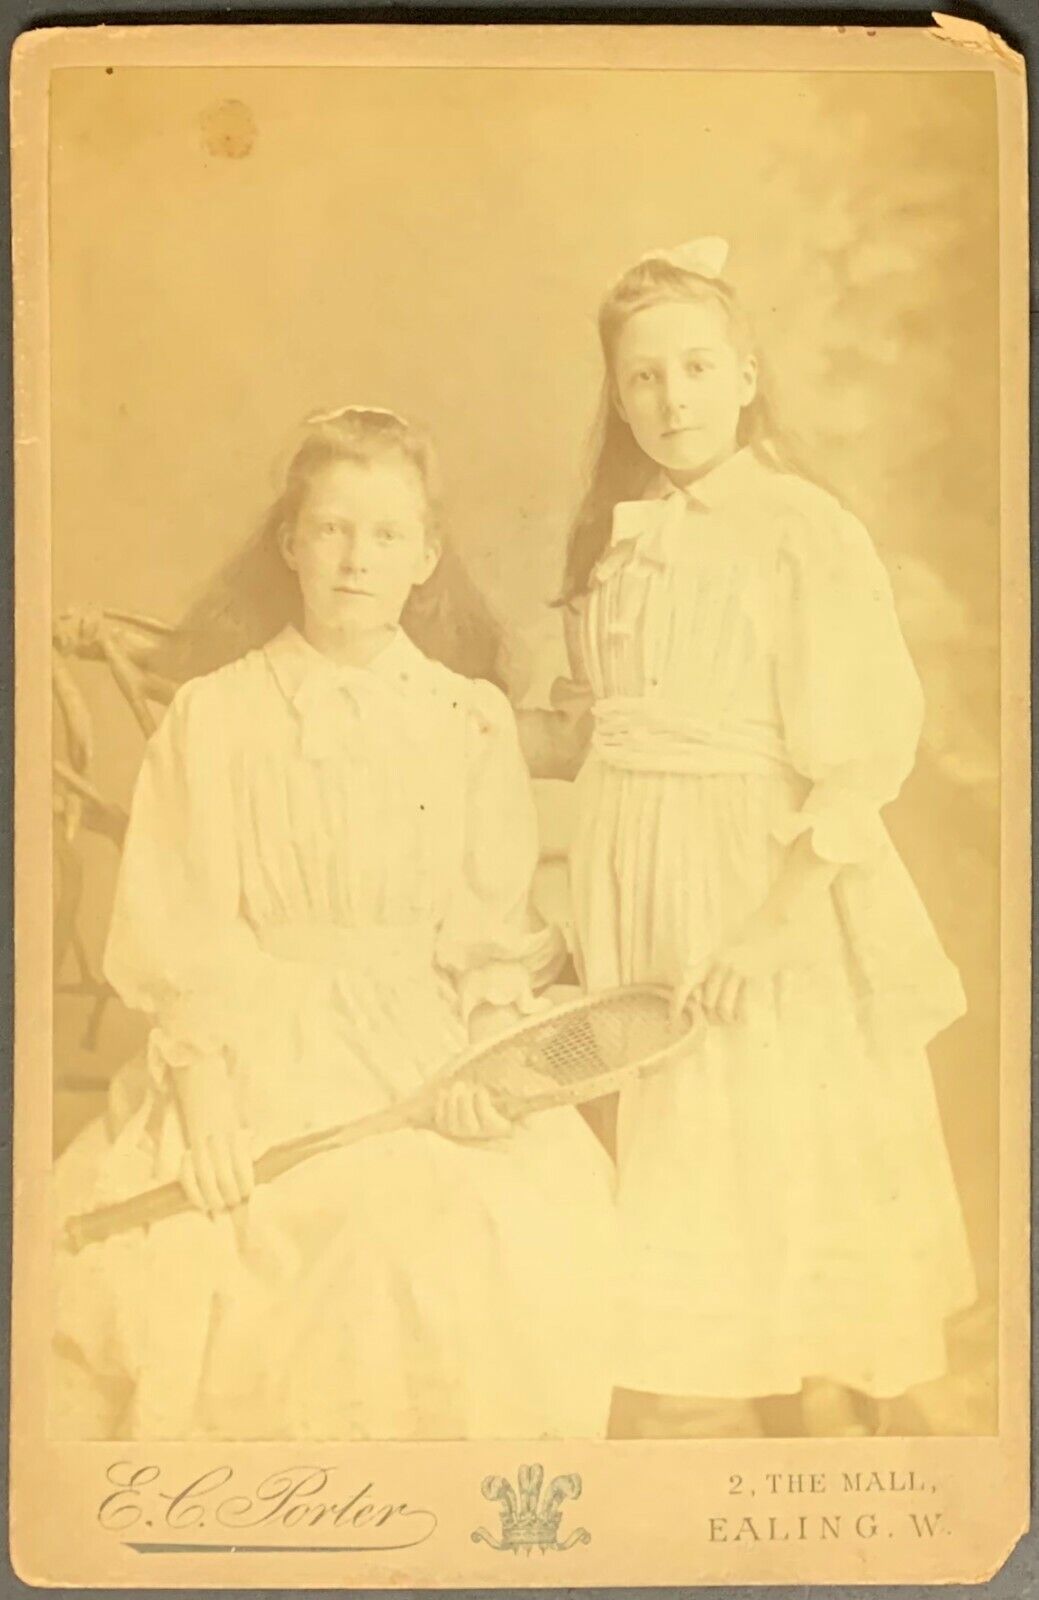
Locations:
(520, 591)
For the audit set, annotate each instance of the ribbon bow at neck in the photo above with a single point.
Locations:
(644, 532)
(329, 711)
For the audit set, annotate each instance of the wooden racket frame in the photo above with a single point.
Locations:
(169, 1199)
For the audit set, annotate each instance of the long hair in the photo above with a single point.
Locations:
(255, 594)
(621, 470)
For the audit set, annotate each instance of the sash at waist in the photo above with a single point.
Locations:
(638, 734)
(332, 944)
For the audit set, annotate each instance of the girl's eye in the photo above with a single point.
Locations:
(386, 535)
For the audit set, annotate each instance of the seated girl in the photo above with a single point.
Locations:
(322, 898)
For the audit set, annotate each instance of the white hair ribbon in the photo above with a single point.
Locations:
(319, 418)
(706, 257)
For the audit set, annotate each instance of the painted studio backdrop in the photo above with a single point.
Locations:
(233, 250)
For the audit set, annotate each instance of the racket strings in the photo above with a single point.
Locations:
(585, 1045)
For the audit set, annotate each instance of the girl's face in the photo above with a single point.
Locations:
(360, 545)
(680, 384)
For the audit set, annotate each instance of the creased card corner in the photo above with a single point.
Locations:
(969, 35)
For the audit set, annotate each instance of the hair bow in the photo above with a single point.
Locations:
(706, 257)
(319, 418)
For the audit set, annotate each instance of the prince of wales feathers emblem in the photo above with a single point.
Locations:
(529, 1522)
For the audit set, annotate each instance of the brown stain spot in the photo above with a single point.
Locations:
(228, 129)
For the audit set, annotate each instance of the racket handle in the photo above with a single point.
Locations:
(169, 1200)
(140, 1211)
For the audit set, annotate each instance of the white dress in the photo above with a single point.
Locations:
(325, 870)
(785, 1195)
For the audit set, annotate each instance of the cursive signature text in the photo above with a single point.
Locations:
(300, 1499)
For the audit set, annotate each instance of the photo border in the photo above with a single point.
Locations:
(1016, 20)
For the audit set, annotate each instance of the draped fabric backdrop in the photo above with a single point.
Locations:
(234, 249)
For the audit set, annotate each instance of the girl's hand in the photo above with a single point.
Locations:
(778, 936)
(718, 984)
(465, 1110)
(217, 1169)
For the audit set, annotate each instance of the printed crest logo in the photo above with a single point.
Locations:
(529, 1522)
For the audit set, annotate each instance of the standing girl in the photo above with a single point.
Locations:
(789, 1216)
(323, 895)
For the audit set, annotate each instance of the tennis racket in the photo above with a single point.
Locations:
(576, 1052)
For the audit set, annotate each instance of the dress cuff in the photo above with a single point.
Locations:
(844, 825)
(505, 973)
(186, 1033)
(499, 983)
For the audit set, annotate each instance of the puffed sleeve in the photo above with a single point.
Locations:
(178, 948)
(491, 942)
(849, 695)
